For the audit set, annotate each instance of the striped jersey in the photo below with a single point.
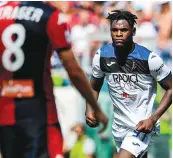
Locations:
(132, 86)
(29, 30)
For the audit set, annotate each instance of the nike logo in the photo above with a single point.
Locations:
(135, 144)
(111, 63)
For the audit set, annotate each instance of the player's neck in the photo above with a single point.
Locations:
(123, 52)
(126, 50)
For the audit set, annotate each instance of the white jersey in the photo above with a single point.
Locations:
(133, 86)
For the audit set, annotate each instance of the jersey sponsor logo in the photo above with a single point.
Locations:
(111, 63)
(17, 88)
(125, 78)
(159, 68)
(21, 13)
(126, 95)
(126, 82)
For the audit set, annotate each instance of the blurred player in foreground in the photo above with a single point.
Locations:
(29, 127)
(132, 72)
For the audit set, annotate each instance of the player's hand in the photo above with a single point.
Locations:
(91, 119)
(145, 126)
(102, 118)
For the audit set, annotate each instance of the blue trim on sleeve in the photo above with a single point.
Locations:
(165, 77)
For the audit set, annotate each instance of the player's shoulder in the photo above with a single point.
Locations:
(107, 50)
(142, 48)
(155, 61)
(140, 52)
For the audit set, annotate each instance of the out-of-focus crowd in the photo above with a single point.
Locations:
(89, 30)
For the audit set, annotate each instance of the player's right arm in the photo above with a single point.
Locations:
(96, 83)
(59, 36)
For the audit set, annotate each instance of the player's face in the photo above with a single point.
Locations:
(121, 32)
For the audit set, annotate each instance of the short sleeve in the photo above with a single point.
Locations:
(89, 147)
(157, 68)
(58, 31)
(96, 70)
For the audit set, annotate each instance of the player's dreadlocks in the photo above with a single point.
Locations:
(120, 14)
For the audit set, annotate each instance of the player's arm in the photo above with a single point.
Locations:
(96, 83)
(162, 74)
(77, 76)
(59, 36)
(166, 100)
(79, 79)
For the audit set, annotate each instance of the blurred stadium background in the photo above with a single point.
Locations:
(89, 30)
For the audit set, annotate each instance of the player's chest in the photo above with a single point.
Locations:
(132, 66)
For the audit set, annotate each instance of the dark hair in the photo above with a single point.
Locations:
(120, 14)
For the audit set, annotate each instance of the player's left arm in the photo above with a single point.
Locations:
(162, 74)
(59, 36)
(166, 100)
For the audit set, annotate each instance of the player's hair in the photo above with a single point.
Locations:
(121, 14)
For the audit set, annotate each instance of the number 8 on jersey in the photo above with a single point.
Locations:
(13, 47)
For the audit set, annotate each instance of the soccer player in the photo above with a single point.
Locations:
(29, 127)
(132, 72)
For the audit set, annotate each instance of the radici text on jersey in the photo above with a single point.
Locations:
(21, 13)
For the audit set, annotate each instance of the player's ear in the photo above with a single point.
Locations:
(134, 31)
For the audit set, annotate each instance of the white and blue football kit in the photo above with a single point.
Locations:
(132, 88)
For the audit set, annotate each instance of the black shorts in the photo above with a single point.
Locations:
(30, 137)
